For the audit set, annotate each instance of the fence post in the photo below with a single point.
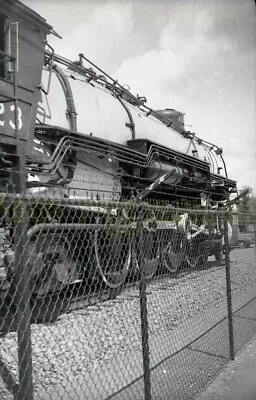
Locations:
(21, 268)
(143, 311)
(228, 287)
(22, 279)
(22, 301)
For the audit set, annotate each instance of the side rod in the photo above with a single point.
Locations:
(155, 184)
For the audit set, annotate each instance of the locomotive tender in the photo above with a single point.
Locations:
(81, 136)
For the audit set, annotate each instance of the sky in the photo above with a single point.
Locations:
(195, 56)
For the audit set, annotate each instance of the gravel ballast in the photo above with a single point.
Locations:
(79, 343)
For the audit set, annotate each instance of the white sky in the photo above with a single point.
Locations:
(197, 56)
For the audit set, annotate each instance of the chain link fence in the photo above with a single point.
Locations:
(119, 300)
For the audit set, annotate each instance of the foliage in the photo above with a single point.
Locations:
(247, 206)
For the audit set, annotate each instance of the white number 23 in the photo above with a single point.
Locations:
(11, 123)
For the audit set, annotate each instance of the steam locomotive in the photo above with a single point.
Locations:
(85, 140)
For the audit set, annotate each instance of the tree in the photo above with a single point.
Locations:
(247, 206)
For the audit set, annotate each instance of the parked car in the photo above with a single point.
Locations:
(245, 240)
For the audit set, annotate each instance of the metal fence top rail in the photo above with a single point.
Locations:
(132, 205)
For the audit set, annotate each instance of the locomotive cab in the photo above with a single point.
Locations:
(22, 46)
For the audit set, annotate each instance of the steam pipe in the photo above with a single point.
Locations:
(224, 164)
(115, 84)
(130, 125)
(72, 226)
(69, 98)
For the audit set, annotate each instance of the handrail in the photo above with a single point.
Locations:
(115, 86)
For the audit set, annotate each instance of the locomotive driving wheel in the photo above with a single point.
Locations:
(193, 256)
(173, 254)
(112, 255)
(151, 256)
(52, 268)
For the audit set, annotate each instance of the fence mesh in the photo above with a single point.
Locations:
(119, 300)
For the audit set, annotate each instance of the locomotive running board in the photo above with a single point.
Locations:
(122, 153)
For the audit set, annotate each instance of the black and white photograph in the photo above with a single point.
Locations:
(127, 199)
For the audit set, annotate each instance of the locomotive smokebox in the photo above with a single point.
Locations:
(176, 117)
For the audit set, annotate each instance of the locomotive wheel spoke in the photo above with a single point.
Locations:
(193, 256)
(151, 265)
(203, 259)
(173, 254)
(52, 269)
(193, 260)
(218, 256)
(151, 257)
(112, 256)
